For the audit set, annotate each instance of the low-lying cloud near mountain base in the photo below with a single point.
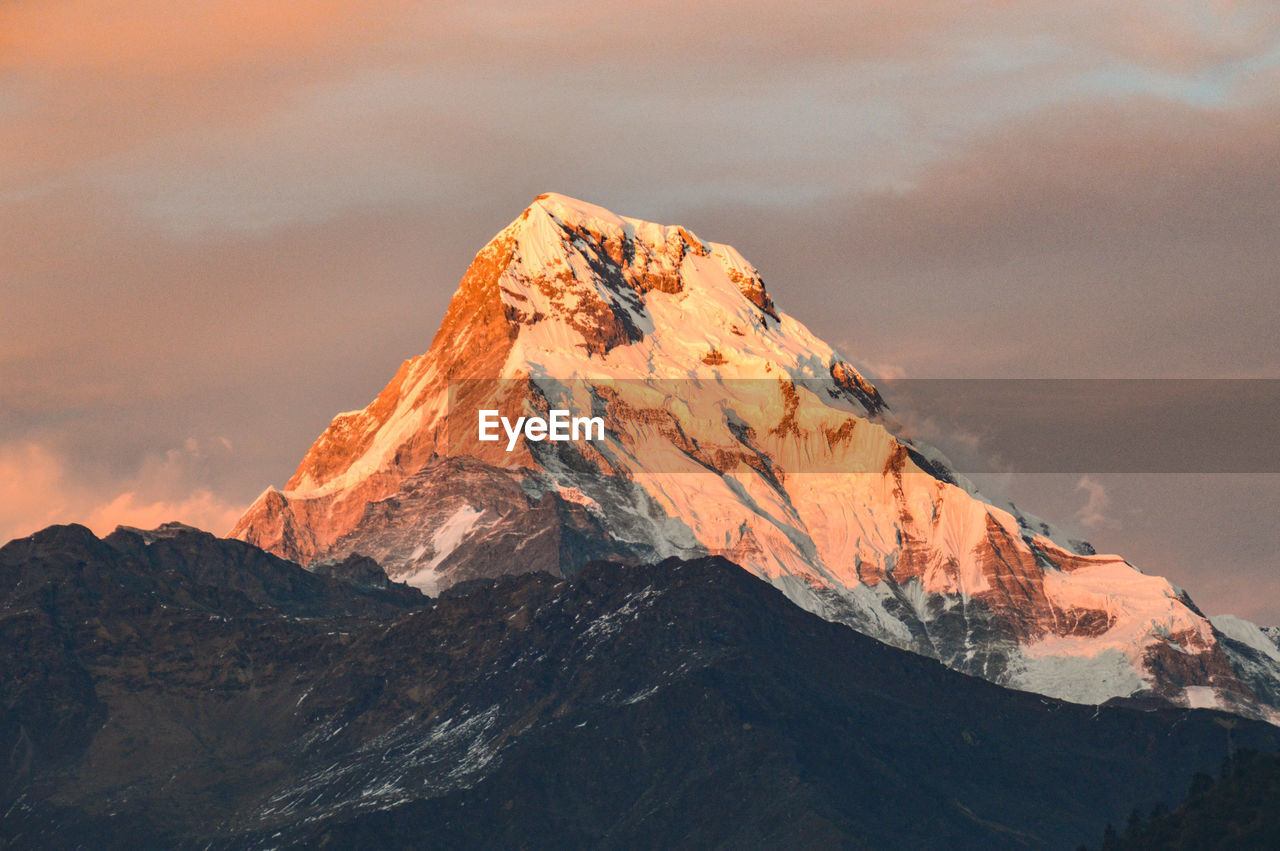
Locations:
(39, 487)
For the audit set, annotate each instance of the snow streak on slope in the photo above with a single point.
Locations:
(733, 430)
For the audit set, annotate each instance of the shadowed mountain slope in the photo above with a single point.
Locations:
(185, 690)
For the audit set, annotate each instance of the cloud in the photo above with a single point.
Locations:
(152, 38)
(248, 114)
(201, 509)
(39, 488)
(1104, 239)
(32, 489)
(1093, 513)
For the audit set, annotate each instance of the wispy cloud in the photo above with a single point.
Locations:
(39, 488)
(249, 114)
(201, 509)
(1094, 513)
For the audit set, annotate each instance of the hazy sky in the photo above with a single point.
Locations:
(223, 222)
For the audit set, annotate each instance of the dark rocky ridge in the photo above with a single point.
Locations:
(194, 691)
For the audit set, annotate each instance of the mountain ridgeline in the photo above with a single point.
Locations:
(173, 689)
(750, 613)
(732, 431)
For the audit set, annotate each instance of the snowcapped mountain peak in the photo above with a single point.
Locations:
(575, 216)
(731, 430)
(590, 277)
(578, 213)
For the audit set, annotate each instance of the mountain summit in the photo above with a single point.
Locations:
(730, 430)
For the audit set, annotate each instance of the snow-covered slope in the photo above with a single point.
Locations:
(732, 430)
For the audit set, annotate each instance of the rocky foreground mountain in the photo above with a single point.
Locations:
(732, 431)
(173, 689)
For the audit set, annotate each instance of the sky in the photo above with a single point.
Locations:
(221, 222)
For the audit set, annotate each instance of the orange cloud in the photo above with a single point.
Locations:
(201, 509)
(154, 37)
(86, 81)
(32, 490)
(38, 488)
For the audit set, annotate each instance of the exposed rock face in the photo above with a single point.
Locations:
(549, 532)
(732, 431)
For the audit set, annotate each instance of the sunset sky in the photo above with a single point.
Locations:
(223, 222)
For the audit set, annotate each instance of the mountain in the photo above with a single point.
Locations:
(731, 430)
(173, 689)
